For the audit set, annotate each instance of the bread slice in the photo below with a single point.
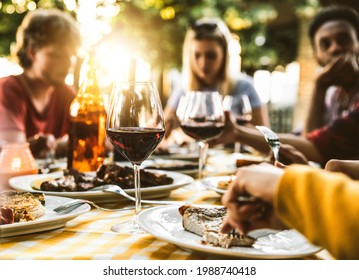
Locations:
(207, 221)
(25, 206)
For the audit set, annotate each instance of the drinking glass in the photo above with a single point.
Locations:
(201, 117)
(135, 126)
(242, 110)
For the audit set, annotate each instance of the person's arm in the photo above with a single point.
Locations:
(260, 116)
(316, 111)
(323, 206)
(343, 71)
(348, 167)
(252, 137)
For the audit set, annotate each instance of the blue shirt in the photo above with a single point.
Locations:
(243, 86)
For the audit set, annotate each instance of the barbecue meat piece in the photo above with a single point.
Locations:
(24, 205)
(75, 181)
(206, 222)
(123, 176)
(72, 181)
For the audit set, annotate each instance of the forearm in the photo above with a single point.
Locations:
(252, 137)
(315, 118)
(260, 116)
(323, 206)
(303, 145)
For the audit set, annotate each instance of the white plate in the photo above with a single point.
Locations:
(24, 183)
(212, 183)
(163, 164)
(165, 223)
(49, 221)
(178, 156)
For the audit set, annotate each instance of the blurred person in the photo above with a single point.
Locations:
(205, 60)
(337, 140)
(34, 106)
(322, 205)
(334, 35)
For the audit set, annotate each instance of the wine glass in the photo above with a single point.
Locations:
(135, 126)
(242, 110)
(201, 117)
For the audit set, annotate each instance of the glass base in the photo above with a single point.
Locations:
(128, 227)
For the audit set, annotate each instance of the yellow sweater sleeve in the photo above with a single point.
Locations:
(323, 206)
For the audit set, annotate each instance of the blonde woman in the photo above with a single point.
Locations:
(206, 67)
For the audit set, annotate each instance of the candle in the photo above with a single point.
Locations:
(16, 159)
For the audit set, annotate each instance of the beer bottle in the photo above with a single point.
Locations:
(87, 133)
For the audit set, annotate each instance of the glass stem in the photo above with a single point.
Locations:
(136, 170)
(202, 148)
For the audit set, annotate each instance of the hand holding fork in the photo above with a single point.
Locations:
(272, 139)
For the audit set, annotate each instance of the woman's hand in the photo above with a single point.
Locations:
(261, 182)
(228, 135)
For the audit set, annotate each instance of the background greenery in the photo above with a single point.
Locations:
(168, 20)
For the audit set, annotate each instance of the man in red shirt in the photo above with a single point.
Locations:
(34, 106)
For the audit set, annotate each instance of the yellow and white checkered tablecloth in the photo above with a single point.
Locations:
(89, 237)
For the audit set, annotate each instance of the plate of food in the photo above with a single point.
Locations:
(182, 166)
(176, 153)
(25, 212)
(196, 228)
(219, 184)
(154, 183)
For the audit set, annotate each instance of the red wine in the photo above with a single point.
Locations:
(203, 131)
(135, 144)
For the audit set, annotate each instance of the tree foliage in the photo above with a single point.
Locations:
(158, 27)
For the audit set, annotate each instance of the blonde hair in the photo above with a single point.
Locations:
(43, 27)
(207, 29)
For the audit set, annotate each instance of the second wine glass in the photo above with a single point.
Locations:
(201, 117)
(135, 126)
(242, 110)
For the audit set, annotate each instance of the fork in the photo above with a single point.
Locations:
(272, 139)
(71, 205)
(111, 188)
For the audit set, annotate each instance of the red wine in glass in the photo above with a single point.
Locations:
(201, 117)
(203, 131)
(135, 144)
(135, 126)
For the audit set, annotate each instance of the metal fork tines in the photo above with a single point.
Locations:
(272, 139)
(73, 204)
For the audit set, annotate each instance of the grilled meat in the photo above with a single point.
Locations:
(75, 181)
(206, 222)
(25, 206)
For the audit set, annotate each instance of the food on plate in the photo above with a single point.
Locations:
(172, 166)
(161, 151)
(20, 206)
(206, 222)
(75, 181)
(248, 160)
(223, 185)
